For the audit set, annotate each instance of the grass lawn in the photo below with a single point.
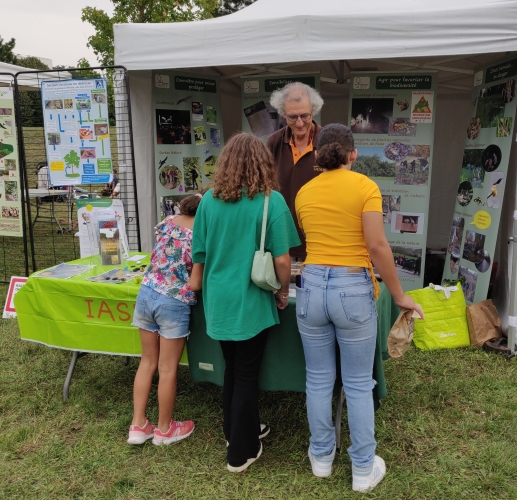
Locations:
(447, 430)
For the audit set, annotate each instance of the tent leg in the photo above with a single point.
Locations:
(75, 356)
(512, 309)
(339, 415)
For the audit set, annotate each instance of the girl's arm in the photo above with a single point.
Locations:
(196, 277)
(382, 257)
(282, 265)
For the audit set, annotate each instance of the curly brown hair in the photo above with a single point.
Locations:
(245, 162)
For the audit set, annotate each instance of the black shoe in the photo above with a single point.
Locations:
(245, 465)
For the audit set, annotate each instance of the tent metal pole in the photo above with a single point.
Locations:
(512, 309)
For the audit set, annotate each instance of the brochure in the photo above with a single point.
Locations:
(62, 271)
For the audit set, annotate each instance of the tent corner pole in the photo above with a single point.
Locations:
(512, 310)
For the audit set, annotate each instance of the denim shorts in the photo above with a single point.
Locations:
(156, 312)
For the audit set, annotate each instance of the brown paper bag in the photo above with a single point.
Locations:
(401, 333)
(484, 323)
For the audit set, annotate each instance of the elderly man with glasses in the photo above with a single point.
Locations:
(294, 146)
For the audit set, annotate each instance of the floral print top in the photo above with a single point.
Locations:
(171, 262)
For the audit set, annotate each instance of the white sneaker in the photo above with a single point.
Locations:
(369, 482)
(322, 466)
(264, 430)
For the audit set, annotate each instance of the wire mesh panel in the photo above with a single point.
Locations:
(52, 222)
(13, 245)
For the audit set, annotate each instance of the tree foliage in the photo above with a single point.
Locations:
(373, 166)
(6, 51)
(228, 7)
(140, 11)
(30, 102)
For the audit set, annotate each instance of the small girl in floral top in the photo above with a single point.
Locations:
(162, 315)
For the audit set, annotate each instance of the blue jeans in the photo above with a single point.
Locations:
(335, 304)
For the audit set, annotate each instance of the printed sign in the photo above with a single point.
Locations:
(16, 283)
(10, 196)
(488, 142)
(188, 137)
(75, 114)
(394, 137)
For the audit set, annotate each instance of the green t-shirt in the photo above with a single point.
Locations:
(225, 238)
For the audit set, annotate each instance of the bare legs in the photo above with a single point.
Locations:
(162, 354)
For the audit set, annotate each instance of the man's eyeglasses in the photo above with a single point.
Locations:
(306, 117)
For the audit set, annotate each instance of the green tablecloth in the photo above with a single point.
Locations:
(283, 366)
(83, 316)
(80, 315)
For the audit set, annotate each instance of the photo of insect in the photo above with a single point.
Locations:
(478, 200)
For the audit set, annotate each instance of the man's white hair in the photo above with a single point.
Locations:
(296, 91)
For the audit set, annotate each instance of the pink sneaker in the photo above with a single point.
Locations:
(139, 435)
(177, 431)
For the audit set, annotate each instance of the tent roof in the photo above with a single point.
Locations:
(30, 80)
(274, 31)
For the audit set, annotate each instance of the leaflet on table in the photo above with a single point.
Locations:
(62, 271)
(10, 198)
(89, 212)
(392, 118)
(77, 139)
(488, 149)
(258, 116)
(114, 276)
(188, 135)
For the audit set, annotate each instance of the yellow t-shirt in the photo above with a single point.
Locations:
(329, 210)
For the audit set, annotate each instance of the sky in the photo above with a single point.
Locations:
(50, 28)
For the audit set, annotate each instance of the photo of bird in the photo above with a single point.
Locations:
(493, 191)
(162, 163)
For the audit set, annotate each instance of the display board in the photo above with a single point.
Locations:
(10, 196)
(258, 116)
(188, 135)
(475, 224)
(77, 136)
(392, 117)
(90, 214)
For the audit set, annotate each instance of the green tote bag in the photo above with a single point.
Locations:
(445, 324)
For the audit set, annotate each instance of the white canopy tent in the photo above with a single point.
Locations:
(273, 37)
(31, 81)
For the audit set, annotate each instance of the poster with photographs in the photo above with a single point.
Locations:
(10, 196)
(488, 141)
(258, 116)
(188, 136)
(392, 119)
(77, 137)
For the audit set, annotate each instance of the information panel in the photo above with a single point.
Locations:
(77, 136)
(188, 135)
(473, 235)
(392, 117)
(10, 197)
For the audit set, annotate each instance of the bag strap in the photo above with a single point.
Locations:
(264, 223)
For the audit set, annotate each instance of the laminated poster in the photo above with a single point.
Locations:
(392, 118)
(188, 133)
(488, 142)
(10, 196)
(77, 136)
(90, 213)
(258, 116)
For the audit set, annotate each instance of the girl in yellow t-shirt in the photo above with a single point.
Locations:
(340, 212)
